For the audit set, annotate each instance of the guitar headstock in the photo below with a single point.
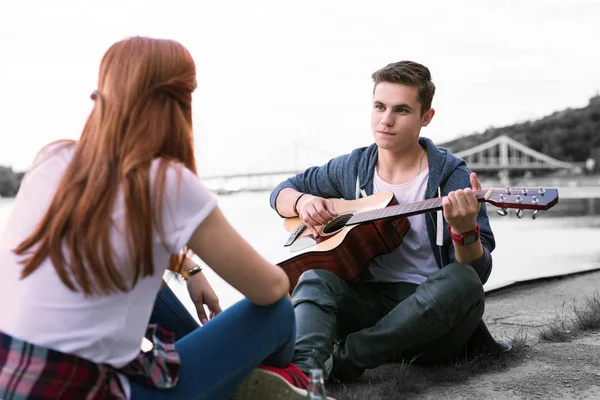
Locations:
(522, 198)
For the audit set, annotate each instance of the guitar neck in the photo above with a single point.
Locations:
(406, 210)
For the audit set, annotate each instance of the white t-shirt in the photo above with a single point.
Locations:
(413, 261)
(105, 329)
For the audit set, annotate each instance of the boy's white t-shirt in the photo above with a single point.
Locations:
(105, 329)
(413, 261)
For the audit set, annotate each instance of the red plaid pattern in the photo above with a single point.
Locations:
(30, 372)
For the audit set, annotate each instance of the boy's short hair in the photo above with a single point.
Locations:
(408, 73)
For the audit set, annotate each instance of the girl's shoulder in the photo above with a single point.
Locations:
(60, 148)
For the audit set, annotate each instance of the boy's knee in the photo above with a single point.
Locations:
(317, 286)
(465, 281)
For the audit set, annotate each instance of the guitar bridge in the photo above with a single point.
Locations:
(295, 235)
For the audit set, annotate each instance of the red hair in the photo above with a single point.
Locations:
(142, 112)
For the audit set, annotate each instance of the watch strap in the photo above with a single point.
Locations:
(191, 272)
(466, 237)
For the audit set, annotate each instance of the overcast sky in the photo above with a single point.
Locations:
(275, 72)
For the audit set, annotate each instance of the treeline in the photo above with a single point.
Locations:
(571, 135)
(10, 181)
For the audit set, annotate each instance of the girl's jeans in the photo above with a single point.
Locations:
(216, 357)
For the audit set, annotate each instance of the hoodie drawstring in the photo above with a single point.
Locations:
(439, 239)
(359, 192)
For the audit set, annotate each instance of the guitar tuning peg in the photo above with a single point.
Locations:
(535, 213)
(520, 213)
(503, 212)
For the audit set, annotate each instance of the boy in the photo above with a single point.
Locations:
(424, 299)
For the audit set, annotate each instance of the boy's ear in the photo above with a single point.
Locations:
(427, 117)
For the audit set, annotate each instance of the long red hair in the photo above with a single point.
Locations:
(142, 112)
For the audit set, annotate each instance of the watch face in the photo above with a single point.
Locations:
(470, 239)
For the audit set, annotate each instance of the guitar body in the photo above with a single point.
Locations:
(346, 250)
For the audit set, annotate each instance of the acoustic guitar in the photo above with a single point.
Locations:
(375, 225)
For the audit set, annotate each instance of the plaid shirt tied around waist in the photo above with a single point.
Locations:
(28, 371)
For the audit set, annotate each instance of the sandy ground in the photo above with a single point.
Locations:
(542, 370)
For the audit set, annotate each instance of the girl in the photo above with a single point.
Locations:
(92, 229)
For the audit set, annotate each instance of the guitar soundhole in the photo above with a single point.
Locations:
(336, 224)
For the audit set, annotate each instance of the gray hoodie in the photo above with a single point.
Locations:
(350, 176)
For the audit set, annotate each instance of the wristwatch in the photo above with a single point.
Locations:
(191, 272)
(194, 271)
(466, 237)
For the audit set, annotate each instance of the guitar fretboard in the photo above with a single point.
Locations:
(404, 210)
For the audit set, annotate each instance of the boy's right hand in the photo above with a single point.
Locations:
(315, 211)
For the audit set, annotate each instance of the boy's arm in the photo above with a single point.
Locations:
(478, 253)
(324, 181)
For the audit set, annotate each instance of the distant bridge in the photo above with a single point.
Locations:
(271, 169)
(247, 182)
(501, 155)
(504, 154)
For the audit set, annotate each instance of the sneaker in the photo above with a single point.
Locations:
(270, 383)
(338, 371)
(502, 346)
(482, 340)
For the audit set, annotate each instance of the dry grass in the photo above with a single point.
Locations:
(566, 327)
(559, 330)
(588, 317)
(407, 380)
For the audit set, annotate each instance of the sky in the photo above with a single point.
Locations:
(277, 78)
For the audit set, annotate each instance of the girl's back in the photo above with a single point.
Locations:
(105, 329)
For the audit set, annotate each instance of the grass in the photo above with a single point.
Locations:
(566, 327)
(588, 317)
(559, 330)
(405, 380)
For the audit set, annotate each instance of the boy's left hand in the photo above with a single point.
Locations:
(461, 207)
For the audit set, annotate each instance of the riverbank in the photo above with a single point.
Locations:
(537, 369)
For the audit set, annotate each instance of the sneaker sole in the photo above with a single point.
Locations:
(266, 385)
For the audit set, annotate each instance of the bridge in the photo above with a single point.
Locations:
(270, 170)
(501, 156)
(504, 155)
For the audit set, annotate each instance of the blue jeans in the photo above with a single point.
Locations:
(216, 357)
(170, 313)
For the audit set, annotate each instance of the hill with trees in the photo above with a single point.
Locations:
(10, 181)
(571, 135)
